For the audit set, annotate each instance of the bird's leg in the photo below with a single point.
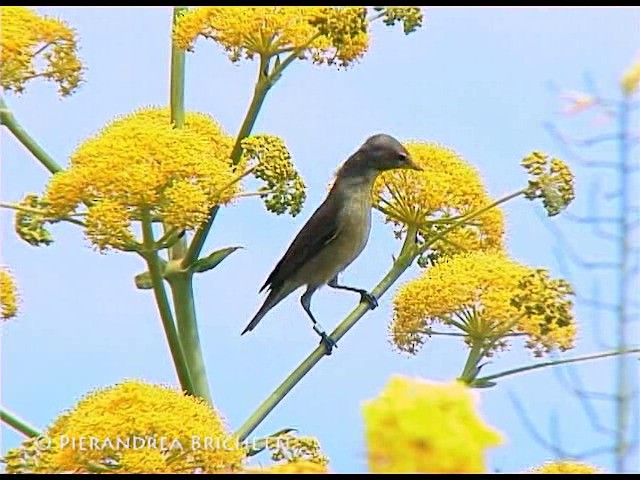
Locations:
(364, 295)
(325, 339)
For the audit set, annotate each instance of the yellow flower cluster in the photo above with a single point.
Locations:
(545, 307)
(566, 467)
(415, 426)
(487, 296)
(163, 418)
(342, 35)
(411, 17)
(552, 181)
(332, 35)
(30, 220)
(272, 164)
(630, 81)
(140, 165)
(8, 295)
(448, 188)
(29, 41)
(291, 448)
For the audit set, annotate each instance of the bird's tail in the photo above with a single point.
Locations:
(274, 297)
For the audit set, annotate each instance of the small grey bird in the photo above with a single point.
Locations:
(336, 233)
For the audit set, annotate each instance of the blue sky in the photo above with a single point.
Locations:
(476, 80)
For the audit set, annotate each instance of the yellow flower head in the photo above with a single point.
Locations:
(8, 295)
(551, 180)
(140, 165)
(487, 296)
(33, 46)
(566, 467)
(430, 200)
(415, 426)
(331, 35)
(631, 79)
(272, 164)
(135, 427)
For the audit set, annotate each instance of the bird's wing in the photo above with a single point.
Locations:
(319, 231)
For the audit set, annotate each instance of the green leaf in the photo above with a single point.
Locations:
(482, 383)
(143, 281)
(260, 444)
(212, 260)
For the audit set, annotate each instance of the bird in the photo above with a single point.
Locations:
(336, 233)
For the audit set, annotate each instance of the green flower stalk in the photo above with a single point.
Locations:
(8, 119)
(18, 423)
(181, 283)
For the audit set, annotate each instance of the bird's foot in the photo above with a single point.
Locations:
(328, 342)
(370, 299)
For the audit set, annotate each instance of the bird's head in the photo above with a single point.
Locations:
(379, 153)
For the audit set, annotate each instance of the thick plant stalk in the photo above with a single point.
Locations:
(155, 270)
(181, 283)
(470, 370)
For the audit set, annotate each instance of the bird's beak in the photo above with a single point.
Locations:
(413, 165)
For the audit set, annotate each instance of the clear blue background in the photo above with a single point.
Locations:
(477, 80)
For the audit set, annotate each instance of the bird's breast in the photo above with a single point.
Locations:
(354, 225)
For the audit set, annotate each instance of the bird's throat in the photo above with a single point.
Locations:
(357, 189)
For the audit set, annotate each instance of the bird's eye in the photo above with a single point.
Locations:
(402, 157)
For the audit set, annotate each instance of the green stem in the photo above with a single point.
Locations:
(254, 194)
(471, 216)
(550, 363)
(182, 292)
(177, 78)
(21, 208)
(8, 119)
(470, 370)
(197, 242)
(155, 270)
(276, 73)
(457, 324)
(404, 260)
(168, 239)
(263, 84)
(20, 425)
(181, 283)
(177, 110)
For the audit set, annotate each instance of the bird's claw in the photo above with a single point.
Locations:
(370, 299)
(328, 342)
